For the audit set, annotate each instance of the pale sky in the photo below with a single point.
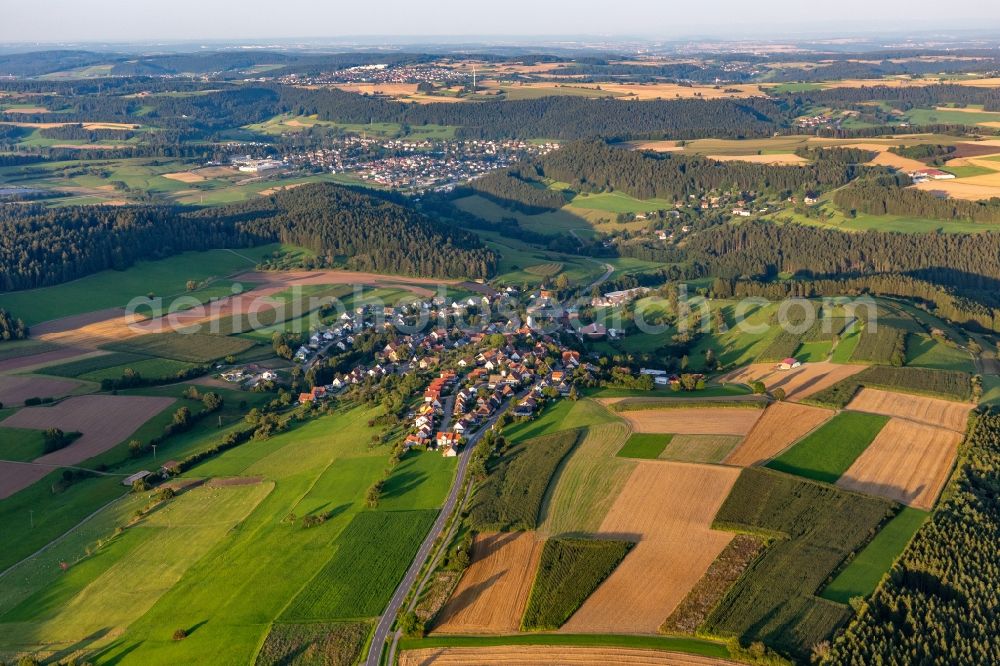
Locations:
(150, 20)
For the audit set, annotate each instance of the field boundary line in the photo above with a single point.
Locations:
(763, 463)
(61, 537)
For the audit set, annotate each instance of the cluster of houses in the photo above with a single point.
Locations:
(494, 378)
(416, 165)
(381, 73)
(249, 376)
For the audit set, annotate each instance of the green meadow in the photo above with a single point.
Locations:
(110, 289)
(828, 452)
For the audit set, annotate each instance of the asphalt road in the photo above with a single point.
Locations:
(389, 616)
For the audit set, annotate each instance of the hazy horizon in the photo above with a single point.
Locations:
(117, 21)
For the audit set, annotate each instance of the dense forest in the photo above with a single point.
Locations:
(515, 189)
(596, 166)
(938, 604)
(371, 232)
(558, 117)
(764, 249)
(44, 246)
(944, 301)
(904, 97)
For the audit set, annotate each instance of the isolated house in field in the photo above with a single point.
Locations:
(789, 363)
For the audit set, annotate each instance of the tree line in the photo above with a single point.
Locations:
(596, 166)
(511, 189)
(888, 197)
(944, 301)
(11, 328)
(44, 246)
(938, 603)
(764, 249)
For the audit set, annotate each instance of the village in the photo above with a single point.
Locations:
(415, 165)
(472, 374)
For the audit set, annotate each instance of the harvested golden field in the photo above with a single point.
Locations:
(388, 89)
(27, 110)
(215, 172)
(554, 655)
(104, 420)
(184, 177)
(644, 91)
(419, 286)
(907, 462)
(89, 330)
(797, 383)
(783, 424)
(15, 389)
(669, 507)
(971, 189)
(491, 596)
(89, 126)
(778, 159)
(657, 146)
(932, 411)
(90, 146)
(694, 420)
(885, 158)
(279, 188)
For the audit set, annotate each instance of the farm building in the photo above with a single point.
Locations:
(132, 478)
(789, 363)
(922, 175)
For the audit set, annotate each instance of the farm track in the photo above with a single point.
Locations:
(562, 655)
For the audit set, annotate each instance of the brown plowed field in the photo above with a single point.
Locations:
(419, 286)
(694, 420)
(797, 383)
(104, 420)
(907, 462)
(40, 359)
(491, 596)
(783, 424)
(555, 655)
(15, 389)
(668, 508)
(93, 329)
(932, 411)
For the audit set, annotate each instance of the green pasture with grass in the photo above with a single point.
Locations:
(641, 445)
(826, 453)
(112, 289)
(860, 577)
